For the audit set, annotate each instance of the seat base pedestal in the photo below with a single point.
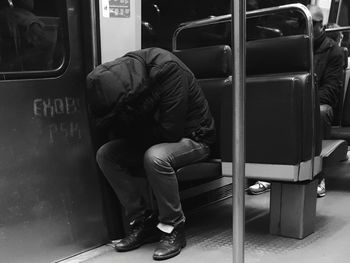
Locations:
(293, 208)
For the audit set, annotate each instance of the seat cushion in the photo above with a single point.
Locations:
(333, 152)
(197, 171)
(340, 133)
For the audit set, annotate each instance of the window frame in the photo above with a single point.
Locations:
(49, 73)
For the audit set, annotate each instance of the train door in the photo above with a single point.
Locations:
(50, 195)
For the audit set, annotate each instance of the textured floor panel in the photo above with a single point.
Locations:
(209, 232)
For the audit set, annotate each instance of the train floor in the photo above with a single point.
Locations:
(209, 233)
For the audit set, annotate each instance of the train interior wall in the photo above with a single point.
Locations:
(54, 203)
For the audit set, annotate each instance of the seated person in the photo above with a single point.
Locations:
(328, 63)
(336, 36)
(159, 120)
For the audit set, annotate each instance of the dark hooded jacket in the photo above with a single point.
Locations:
(150, 88)
(328, 61)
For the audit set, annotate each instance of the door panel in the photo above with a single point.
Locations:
(50, 195)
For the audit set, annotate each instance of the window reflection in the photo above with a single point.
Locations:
(28, 42)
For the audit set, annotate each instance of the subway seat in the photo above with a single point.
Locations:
(333, 152)
(212, 67)
(283, 143)
(279, 114)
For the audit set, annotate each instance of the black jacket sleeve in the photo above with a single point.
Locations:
(173, 103)
(332, 79)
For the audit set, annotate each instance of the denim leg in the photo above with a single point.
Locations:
(117, 159)
(326, 112)
(160, 163)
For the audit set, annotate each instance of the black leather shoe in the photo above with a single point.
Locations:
(140, 232)
(171, 244)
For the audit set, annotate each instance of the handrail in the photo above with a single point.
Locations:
(238, 44)
(338, 29)
(255, 13)
(95, 60)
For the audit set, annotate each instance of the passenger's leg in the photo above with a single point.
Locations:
(326, 112)
(161, 162)
(117, 159)
(327, 116)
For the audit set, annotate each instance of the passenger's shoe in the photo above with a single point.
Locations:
(140, 232)
(171, 244)
(321, 188)
(259, 187)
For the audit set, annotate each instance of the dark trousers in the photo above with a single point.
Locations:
(327, 116)
(120, 161)
(326, 112)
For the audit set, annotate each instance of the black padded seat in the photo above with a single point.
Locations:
(341, 133)
(333, 152)
(278, 102)
(197, 171)
(212, 67)
(279, 130)
(269, 56)
(278, 119)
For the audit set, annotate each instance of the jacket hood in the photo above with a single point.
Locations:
(326, 44)
(112, 84)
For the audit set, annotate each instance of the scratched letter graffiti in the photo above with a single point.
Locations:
(60, 117)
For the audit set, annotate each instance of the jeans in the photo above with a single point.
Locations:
(326, 112)
(120, 161)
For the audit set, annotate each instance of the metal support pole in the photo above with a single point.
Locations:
(238, 38)
(95, 60)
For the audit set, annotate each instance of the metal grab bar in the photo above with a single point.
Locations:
(238, 29)
(337, 29)
(93, 19)
(251, 14)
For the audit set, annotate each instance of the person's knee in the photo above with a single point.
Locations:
(156, 157)
(109, 152)
(326, 112)
(101, 154)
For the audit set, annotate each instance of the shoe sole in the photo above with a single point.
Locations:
(146, 241)
(258, 193)
(175, 253)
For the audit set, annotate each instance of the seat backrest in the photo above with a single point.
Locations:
(212, 67)
(278, 102)
(278, 55)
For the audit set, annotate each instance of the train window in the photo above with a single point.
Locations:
(31, 37)
(160, 18)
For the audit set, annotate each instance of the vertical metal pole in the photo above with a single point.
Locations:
(238, 37)
(93, 18)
